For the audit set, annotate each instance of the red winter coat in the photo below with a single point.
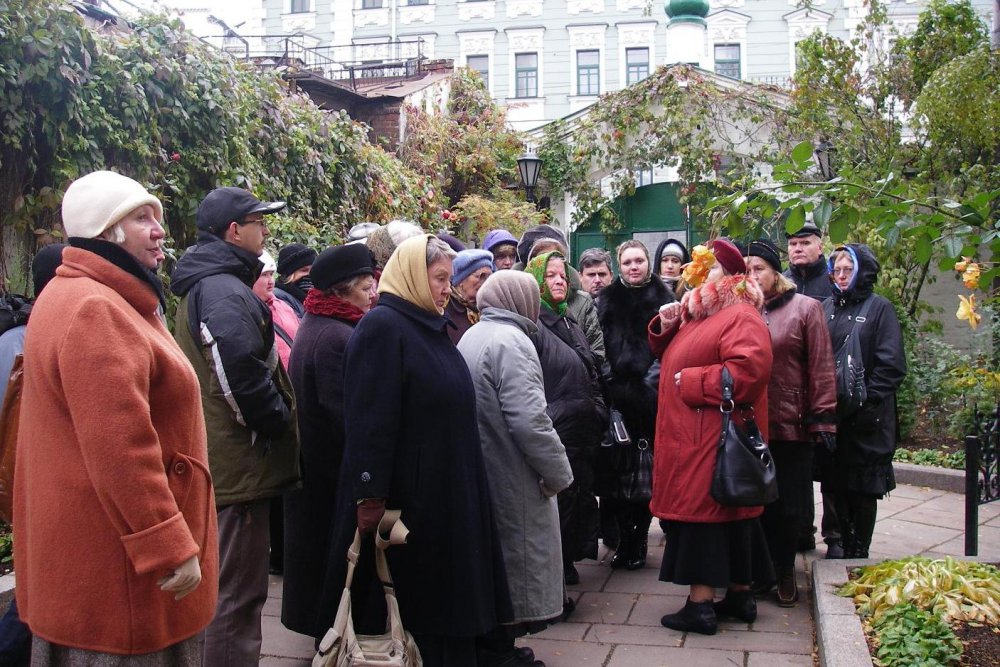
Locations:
(112, 489)
(720, 325)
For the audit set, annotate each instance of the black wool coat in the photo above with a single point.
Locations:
(624, 313)
(576, 408)
(412, 438)
(316, 368)
(866, 440)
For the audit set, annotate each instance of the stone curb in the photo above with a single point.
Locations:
(839, 638)
(6, 591)
(942, 479)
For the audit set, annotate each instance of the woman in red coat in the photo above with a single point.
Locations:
(708, 545)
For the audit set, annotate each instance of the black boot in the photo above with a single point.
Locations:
(834, 549)
(570, 574)
(693, 617)
(740, 605)
(626, 541)
(637, 559)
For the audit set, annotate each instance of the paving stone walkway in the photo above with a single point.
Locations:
(617, 619)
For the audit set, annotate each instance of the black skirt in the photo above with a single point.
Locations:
(715, 554)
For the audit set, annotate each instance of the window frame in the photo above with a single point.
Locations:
(486, 58)
(631, 67)
(590, 72)
(728, 62)
(531, 75)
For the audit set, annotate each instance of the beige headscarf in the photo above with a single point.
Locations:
(405, 274)
(511, 290)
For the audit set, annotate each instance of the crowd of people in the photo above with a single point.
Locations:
(486, 393)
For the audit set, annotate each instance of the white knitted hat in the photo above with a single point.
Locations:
(95, 202)
(268, 262)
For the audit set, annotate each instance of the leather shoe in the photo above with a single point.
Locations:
(788, 590)
(570, 575)
(693, 617)
(637, 559)
(526, 656)
(569, 604)
(834, 550)
(740, 605)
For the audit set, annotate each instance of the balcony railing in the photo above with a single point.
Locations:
(354, 63)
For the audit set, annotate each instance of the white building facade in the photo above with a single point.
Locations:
(545, 59)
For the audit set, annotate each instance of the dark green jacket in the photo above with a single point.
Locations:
(227, 334)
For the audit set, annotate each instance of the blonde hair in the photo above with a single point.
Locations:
(631, 243)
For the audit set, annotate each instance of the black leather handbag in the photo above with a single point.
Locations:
(744, 470)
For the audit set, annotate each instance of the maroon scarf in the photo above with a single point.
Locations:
(329, 305)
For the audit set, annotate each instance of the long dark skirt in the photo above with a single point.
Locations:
(715, 554)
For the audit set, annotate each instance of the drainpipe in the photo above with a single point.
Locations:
(392, 30)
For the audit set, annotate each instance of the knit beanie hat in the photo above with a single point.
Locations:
(452, 242)
(511, 290)
(339, 263)
(44, 265)
(728, 255)
(498, 237)
(96, 202)
(268, 262)
(767, 251)
(531, 236)
(468, 262)
(293, 257)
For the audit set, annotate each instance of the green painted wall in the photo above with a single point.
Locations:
(650, 215)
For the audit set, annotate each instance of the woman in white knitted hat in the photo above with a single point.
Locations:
(116, 545)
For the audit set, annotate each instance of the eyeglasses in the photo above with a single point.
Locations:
(843, 271)
(505, 254)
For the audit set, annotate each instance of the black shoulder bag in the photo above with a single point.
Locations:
(744, 470)
(850, 366)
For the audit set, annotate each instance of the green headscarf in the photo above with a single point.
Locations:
(537, 267)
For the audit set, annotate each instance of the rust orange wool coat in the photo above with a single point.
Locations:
(720, 325)
(111, 487)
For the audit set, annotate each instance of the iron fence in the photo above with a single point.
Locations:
(982, 472)
(370, 62)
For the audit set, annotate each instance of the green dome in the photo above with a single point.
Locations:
(686, 8)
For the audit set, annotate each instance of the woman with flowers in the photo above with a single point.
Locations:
(866, 439)
(717, 325)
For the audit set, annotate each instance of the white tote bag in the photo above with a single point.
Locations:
(340, 646)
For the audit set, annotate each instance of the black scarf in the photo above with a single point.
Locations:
(121, 258)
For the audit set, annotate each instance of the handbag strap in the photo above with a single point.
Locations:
(856, 323)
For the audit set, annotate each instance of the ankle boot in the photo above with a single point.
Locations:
(740, 605)
(637, 559)
(623, 555)
(834, 550)
(788, 589)
(693, 617)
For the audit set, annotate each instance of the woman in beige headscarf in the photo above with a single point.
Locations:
(412, 443)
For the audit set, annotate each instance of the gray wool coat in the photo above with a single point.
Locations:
(520, 449)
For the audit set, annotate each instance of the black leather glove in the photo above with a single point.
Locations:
(827, 440)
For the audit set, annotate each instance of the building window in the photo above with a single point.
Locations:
(480, 64)
(412, 3)
(526, 75)
(299, 6)
(588, 72)
(636, 65)
(371, 4)
(727, 60)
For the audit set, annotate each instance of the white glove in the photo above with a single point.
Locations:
(185, 578)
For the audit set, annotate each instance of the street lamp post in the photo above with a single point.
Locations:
(825, 153)
(529, 166)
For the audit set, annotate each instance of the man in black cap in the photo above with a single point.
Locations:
(294, 263)
(227, 334)
(807, 264)
(808, 270)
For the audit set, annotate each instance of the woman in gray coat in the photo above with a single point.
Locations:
(525, 462)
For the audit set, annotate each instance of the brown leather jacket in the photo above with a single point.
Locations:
(802, 393)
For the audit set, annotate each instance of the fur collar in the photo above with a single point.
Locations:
(709, 298)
